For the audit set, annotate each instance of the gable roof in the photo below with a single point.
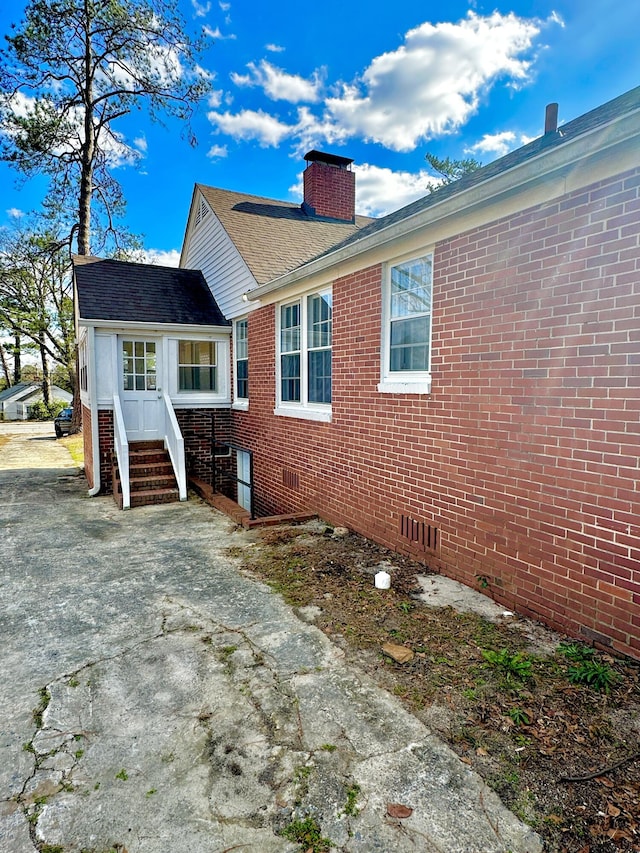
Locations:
(20, 389)
(134, 292)
(273, 236)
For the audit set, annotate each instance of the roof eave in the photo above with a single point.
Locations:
(161, 328)
(556, 159)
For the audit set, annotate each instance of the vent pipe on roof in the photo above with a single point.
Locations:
(551, 118)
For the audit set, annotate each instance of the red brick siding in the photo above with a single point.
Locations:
(330, 191)
(525, 455)
(201, 430)
(105, 433)
(87, 443)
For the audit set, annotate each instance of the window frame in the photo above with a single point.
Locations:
(213, 366)
(195, 399)
(402, 381)
(238, 401)
(304, 407)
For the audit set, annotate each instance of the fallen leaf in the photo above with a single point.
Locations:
(554, 818)
(481, 751)
(398, 810)
(400, 654)
(612, 810)
(604, 781)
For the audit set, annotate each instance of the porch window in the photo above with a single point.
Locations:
(197, 366)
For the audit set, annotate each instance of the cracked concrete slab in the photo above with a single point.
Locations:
(157, 698)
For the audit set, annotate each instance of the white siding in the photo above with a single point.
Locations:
(105, 370)
(209, 248)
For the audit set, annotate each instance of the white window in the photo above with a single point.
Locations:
(304, 356)
(241, 359)
(197, 366)
(406, 345)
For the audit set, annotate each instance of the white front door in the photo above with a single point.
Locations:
(142, 406)
(243, 467)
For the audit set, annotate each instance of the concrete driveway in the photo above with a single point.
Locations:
(155, 699)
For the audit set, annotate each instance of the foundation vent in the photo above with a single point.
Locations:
(290, 479)
(423, 534)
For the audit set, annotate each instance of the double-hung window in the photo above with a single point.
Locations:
(197, 366)
(406, 350)
(241, 352)
(305, 340)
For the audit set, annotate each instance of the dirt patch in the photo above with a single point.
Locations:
(551, 724)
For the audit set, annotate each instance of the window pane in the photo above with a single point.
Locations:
(197, 378)
(319, 313)
(290, 328)
(290, 376)
(411, 288)
(242, 339)
(320, 376)
(242, 379)
(127, 347)
(410, 344)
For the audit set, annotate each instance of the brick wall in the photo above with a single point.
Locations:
(201, 430)
(520, 470)
(105, 432)
(87, 444)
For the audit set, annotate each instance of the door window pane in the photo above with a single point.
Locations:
(139, 366)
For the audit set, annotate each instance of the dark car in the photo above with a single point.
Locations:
(62, 424)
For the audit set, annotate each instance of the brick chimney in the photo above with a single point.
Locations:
(329, 187)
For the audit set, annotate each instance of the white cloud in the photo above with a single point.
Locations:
(251, 124)
(141, 143)
(225, 6)
(274, 48)
(279, 85)
(498, 144)
(432, 83)
(215, 98)
(216, 152)
(428, 87)
(380, 191)
(216, 34)
(201, 10)
(15, 213)
(161, 257)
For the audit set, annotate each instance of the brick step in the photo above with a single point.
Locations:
(141, 484)
(153, 496)
(150, 469)
(156, 444)
(147, 456)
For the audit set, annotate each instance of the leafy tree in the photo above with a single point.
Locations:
(69, 72)
(36, 296)
(448, 170)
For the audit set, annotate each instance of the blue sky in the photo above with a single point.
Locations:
(382, 83)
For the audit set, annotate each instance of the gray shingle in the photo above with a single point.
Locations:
(122, 290)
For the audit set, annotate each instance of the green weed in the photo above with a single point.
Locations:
(307, 834)
(511, 666)
(594, 674)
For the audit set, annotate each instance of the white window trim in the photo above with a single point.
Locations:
(199, 399)
(401, 381)
(302, 408)
(240, 404)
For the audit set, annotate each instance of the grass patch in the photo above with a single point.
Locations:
(75, 446)
(307, 834)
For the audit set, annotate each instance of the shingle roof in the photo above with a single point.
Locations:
(273, 236)
(17, 390)
(602, 115)
(122, 290)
